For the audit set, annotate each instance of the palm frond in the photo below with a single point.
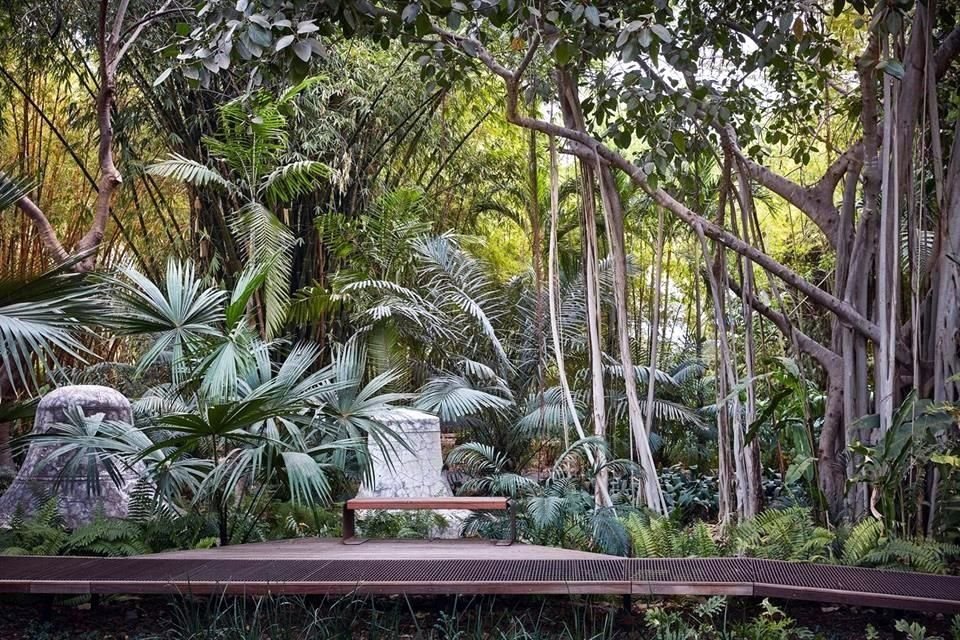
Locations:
(452, 397)
(268, 242)
(179, 316)
(182, 169)
(12, 189)
(294, 179)
(39, 319)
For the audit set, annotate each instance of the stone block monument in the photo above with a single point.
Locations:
(40, 478)
(416, 472)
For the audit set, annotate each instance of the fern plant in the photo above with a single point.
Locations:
(654, 537)
(786, 534)
(868, 544)
(110, 537)
(41, 534)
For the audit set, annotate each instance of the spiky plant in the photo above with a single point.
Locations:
(239, 422)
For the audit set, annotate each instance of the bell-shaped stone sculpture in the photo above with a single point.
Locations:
(40, 478)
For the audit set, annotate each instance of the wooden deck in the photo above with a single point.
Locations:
(375, 550)
(326, 566)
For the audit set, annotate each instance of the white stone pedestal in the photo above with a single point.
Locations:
(414, 471)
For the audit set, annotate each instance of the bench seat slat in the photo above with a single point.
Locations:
(478, 503)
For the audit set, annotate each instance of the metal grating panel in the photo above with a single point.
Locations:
(44, 567)
(859, 580)
(692, 570)
(355, 571)
(690, 576)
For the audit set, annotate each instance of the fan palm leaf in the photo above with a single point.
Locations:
(179, 316)
(452, 397)
(39, 320)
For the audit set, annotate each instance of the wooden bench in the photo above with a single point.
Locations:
(442, 503)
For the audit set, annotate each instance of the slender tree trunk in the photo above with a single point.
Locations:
(723, 410)
(654, 323)
(613, 216)
(536, 249)
(6, 453)
(888, 262)
(554, 303)
(592, 281)
(750, 450)
(946, 381)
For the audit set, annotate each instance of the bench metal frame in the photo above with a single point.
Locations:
(350, 507)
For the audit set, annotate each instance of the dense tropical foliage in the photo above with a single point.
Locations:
(678, 278)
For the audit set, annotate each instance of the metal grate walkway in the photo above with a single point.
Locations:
(210, 574)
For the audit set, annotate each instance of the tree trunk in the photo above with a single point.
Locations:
(554, 303)
(592, 283)
(946, 372)
(613, 216)
(750, 450)
(536, 249)
(6, 453)
(654, 323)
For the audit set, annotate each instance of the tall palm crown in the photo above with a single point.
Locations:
(251, 148)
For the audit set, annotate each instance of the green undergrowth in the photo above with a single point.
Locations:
(461, 618)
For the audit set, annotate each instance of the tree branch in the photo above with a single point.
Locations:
(815, 201)
(137, 28)
(47, 234)
(823, 355)
(844, 311)
(946, 52)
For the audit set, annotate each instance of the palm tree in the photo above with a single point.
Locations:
(41, 319)
(469, 345)
(230, 431)
(259, 179)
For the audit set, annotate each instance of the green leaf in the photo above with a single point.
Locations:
(645, 37)
(284, 42)
(260, 21)
(679, 141)
(661, 32)
(798, 469)
(892, 68)
(947, 459)
(565, 51)
(410, 12)
(259, 36)
(592, 14)
(163, 76)
(303, 50)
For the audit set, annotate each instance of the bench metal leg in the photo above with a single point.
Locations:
(513, 526)
(350, 527)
